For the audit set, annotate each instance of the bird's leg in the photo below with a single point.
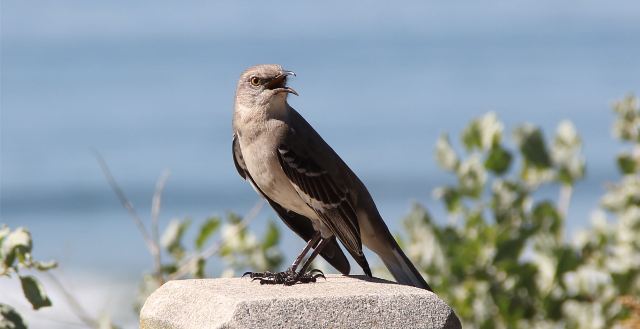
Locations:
(312, 243)
(303, 276)
(291, 277)
(278, 277)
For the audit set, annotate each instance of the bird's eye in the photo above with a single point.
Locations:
(255, 81)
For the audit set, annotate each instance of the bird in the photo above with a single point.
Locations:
(307, 184)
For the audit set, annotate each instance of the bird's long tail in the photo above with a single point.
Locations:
(401, 267)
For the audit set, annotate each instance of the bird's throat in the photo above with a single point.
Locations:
(278, 107)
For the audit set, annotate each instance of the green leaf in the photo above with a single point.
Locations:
(208, 228)
(169, 268)
(509, 249)
(451, 197)
(199, 270)
(234, 218)
(271, 236)
(553, 307)
(17, 244)
(471, 136)
(34, 292)
(45, 266)
(10, 319)
(627, 164)
(624, 281)
(546, 217)
(498, 160)
(565, 176)
(533, 147)
(172, 237)
(568, 260)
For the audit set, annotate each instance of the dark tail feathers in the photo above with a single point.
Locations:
(402, 269)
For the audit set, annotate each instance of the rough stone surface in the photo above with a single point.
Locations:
(338, 302)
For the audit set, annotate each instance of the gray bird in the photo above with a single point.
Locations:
(308, 185)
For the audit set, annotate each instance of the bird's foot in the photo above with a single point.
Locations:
(270, 277)
(287, 278)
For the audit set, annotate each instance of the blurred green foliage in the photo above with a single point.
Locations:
(502, 259)
(228, 239)
(16, 258)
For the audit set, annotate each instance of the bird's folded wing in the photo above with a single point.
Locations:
(330, 200)
(296, 222)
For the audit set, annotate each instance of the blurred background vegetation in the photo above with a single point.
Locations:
(149, 84)
(502, 259)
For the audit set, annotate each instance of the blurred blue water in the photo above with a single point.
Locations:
(151, 87)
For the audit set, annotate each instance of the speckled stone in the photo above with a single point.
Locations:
(338, 302)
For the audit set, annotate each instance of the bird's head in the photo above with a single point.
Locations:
(263, 84)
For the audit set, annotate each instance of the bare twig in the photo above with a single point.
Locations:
(127, 204)
(215, 247)
(155, 215)
(74, 304)
(564, 199)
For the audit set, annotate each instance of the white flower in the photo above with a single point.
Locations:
(534, 176)
(490, 130)
(587, 279)
(231, 237)
(425, 247)
(618, 197)
(581, 238)
(567, 135)
(482, 303)
(445, 154)
(471, 173)
(584, 315)
(599, 221)
(546, 270)
(505, 195)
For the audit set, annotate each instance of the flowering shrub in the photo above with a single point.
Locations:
(502, 259)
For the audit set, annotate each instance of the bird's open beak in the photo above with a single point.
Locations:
(279, 83)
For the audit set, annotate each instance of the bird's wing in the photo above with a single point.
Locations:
(322, 191)
(296, 222)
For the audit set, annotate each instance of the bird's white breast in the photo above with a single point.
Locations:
(260, 156)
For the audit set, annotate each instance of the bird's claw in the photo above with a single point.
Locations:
(257, 275)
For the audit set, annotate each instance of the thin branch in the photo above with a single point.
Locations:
(126, 203)
(215, 247)
(74, 304)
(564, 201)
(155, 215)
